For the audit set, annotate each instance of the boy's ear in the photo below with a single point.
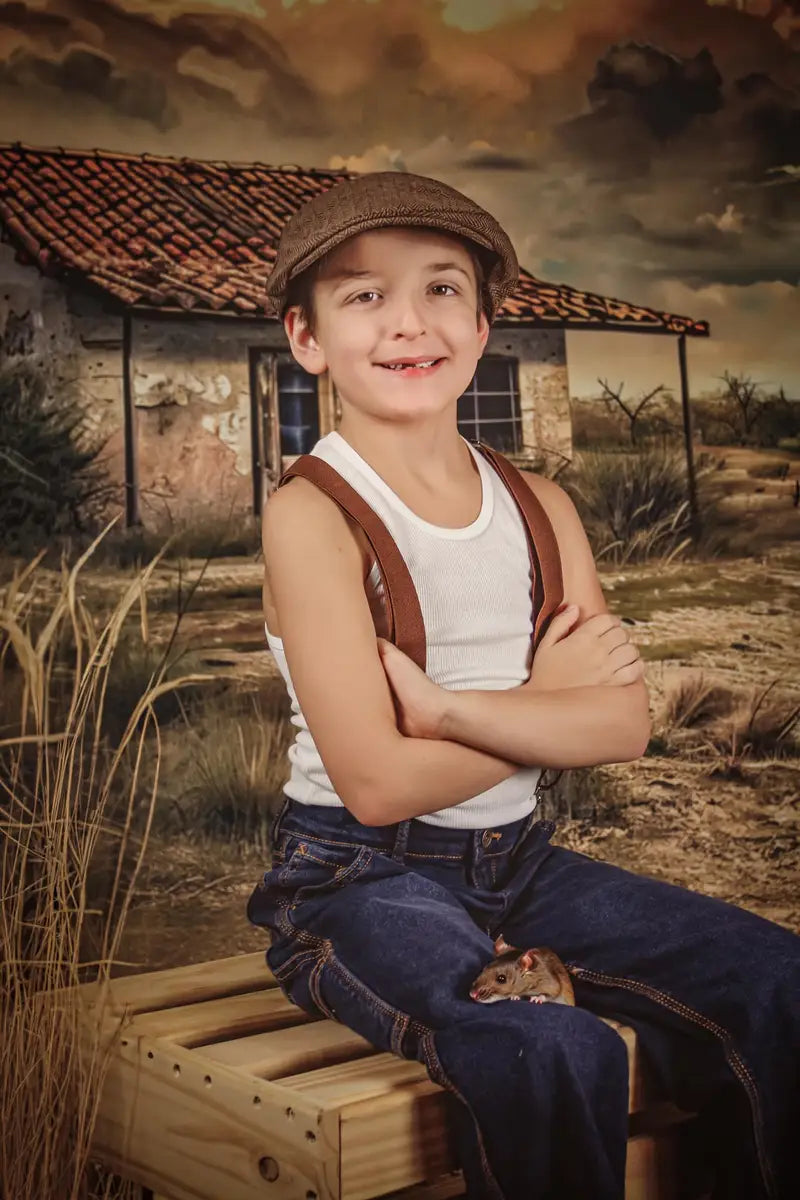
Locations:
(484, 329)
(304, 346)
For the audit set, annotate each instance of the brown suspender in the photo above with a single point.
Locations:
(406, 627)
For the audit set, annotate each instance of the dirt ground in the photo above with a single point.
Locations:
(687, 819)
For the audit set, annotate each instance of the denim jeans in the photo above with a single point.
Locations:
(384, 929)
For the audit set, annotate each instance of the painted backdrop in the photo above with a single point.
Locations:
(640, 148)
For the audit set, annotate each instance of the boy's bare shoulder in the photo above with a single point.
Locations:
(554, 499)
(301, 505)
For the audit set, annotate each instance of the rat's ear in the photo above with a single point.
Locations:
(501, 945)
(528, 959)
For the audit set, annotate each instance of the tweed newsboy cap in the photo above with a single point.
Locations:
(386, 198)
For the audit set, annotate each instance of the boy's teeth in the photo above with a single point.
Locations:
(402, 366)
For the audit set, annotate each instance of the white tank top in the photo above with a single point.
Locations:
(474, 589)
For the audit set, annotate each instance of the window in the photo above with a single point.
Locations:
(488, 411)
(298, 408)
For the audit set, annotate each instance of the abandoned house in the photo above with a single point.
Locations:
(138, 282)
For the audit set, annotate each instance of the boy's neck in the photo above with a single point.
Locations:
(432, 458)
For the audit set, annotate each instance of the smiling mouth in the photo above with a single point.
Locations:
(427, 365)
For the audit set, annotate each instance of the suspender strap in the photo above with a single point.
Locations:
(406, 626)
(548, 585)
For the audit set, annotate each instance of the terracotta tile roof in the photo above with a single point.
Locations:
(196, 236)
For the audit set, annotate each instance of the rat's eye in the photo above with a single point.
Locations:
(502, 978)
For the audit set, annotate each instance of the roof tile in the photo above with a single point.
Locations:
(215, 226)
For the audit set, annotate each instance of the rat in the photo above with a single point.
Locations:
(537, 975)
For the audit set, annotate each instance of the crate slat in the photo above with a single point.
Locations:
(415, 1146)
(364, 1079)
(351, 1082)
(290, 1051)
(215, 1020)
(155, 990)
(410, 1128)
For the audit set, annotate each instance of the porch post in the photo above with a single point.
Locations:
(694, 513)
(132, 515)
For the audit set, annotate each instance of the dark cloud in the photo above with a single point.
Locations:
(403, 52)
(87, 72)
(33, 22)
(768, 117)
(660, 89)
(493, 160)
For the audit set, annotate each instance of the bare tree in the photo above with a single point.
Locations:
(632, 412)
(745, 405)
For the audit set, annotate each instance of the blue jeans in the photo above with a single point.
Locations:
(384, 928)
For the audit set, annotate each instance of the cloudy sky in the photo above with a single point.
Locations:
(646, 149)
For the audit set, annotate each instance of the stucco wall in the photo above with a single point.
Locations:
(544, 390)
(191, 394)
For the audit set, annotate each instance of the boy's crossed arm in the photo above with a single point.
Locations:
(553, 723)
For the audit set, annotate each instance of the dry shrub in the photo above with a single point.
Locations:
(709, 715)
(237, 769)
(634, 504)
(62, 798)
(695, 701)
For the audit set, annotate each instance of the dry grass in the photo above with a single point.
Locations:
(237, 765)
(704, 716)
(634, 507)
(67, 794)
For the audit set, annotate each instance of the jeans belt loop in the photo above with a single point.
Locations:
(276, 824)
(401, 841)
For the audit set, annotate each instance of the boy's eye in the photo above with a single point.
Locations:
(436, 285)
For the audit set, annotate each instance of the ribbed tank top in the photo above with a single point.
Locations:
(474, 589)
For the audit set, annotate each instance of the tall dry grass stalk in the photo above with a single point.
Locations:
(66, 795)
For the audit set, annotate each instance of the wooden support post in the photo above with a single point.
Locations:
(694, 513)
(132, 516)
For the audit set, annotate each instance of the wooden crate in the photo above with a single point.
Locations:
(220, 1089)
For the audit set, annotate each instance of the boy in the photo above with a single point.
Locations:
(407, 840)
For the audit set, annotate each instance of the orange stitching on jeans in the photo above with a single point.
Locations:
(438, 1075)
(734, 1059)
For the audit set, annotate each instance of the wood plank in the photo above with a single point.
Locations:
(353, 1082)
(184, 985)
(650, 1168)
(170, 1123)
(290, 1051)
(395, 1140)
(213, 1020)
(449, 1187)
(364, 1079)
(414, 1147)
(637, 1083)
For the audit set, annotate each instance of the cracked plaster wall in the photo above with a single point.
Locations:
(191, 389)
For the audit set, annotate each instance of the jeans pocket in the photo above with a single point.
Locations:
(312, 867)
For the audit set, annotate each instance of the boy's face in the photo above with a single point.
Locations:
(415, 296)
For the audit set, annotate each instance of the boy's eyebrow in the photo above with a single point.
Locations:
(345, 273)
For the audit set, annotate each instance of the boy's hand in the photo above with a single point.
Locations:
(599, 652)
(419, 702)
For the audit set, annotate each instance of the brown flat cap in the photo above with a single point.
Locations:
(386, 198)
